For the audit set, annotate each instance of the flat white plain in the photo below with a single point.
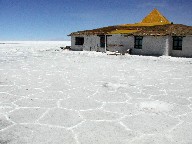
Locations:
(49, 95)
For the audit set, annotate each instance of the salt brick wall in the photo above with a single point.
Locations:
(120, 43)
(76, 47)
(91, 43)
(152, 45)
(186, 48)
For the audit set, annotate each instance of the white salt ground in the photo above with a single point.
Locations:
(48, 95)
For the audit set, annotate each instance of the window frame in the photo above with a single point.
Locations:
(79, 41)
(138, 42)
(177, 43)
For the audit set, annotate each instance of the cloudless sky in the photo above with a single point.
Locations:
(55, 19)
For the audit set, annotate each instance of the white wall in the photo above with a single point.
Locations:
(91, 43)
(76, 47)
(120, 43)
(186, 48)
(152, 45)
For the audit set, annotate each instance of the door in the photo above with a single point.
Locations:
(102, 41)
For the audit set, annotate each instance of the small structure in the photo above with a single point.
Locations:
(66, 48)
(154, 36)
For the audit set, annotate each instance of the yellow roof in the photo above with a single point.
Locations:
(123, 31)
(143, 24)
(155, 17)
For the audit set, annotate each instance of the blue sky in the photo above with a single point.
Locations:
(55, 19)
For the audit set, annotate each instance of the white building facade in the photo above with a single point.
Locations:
(148, 45)
(154, 36)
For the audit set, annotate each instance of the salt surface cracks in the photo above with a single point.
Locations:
(48, 95)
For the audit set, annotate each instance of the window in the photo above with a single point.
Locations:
(138, 42)
(177, 43)
(79, 40)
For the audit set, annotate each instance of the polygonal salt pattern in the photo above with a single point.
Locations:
(139, 95)
(150, 106)
(186, 93)
(61, 117)
(128, 88)
(150, 123)
(178, 110)
(53, 80)
(88, 97)
(18, 134)
(8, 98)
(149, 80)
(153, 139)
(115, 86)
(43, 134)
(154, 107)
(4, 123)
(80, 92)
(30, 102)
(122, 108)
(151, 90)
(80, 103)
(172, 99)
(36, 134)
(25, 92)
(182, 134)
(100, 115)
(103, 132)
(50, 95)
(187, 118)
(6, 107)
(6, 88)
(26, 115)
(111, 96)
